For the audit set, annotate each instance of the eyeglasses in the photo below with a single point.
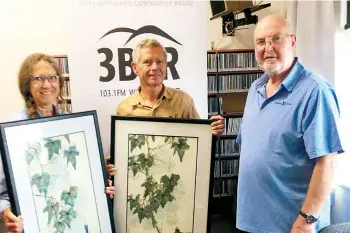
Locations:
(275, 40)
(52, 79)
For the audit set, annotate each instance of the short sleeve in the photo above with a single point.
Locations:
(190, 111)
(320, 121)
(4, 196)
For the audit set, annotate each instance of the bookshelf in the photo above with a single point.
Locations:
(62, 63)
(230, 74)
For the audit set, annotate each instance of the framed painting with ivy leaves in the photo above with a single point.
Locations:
(163, 174)
(55, 174)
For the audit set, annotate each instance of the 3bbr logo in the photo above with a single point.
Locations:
(121, 52)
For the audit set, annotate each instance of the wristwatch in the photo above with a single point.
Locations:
(309, 218)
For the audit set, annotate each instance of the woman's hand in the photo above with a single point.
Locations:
(111, 190)
(110, 168)
(12, 223)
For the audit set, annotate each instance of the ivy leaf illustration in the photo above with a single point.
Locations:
(32, 152)
(71, 154)
(29, 157)
(67, 216)
(133, 203)
(180, 147)
(42, 182)
(166, 139)
(53, 146)
(69, 196)
(135, 170)
(136, 141)
(150, 161)
(52, 207)
(154, 222)
(142, 160)
(154, 204)
(169, 182)
(133, 145)
(153, 138)
(150, 186)
(60, 226)
(141, 214)
(141, 141)
(168, 186)
(133, 165)
(177, 230)
(67, 137)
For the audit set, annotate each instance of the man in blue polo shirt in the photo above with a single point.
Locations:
(289, 139)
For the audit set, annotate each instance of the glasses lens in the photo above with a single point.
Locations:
(53, 78)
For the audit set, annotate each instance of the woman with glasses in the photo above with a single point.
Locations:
(41, 86)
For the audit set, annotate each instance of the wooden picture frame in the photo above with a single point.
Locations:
(163, 174)
(56, 175)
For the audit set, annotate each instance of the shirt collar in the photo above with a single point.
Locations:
(290, 80)
(137, 99)
(294, 75)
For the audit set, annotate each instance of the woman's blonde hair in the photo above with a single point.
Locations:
(24, 78)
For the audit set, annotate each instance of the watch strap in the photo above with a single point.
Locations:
(309, 218)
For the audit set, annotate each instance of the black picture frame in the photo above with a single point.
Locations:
(126, 127)
(75, 131)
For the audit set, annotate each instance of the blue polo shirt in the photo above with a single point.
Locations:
(280, 138)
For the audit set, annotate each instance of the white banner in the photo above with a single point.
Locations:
(102, 35)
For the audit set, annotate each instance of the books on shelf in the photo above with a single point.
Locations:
(232, 125)
(226, 168)
(66, 89)
(211, 62)
(230, 83)
(223, 188)
(236, 83)
(62, 63)
(227, 148)
(237, 61)
(232, 61)
(215, 106)
(230, 73)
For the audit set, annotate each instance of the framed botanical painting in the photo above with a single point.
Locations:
(163, 174)
(56, 175)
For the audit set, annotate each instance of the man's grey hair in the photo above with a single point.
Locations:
(146, 43)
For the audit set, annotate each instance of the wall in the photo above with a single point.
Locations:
(39, 26)
(342, 88)
(26, 27)
(243, 35)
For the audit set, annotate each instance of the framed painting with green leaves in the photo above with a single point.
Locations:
(163, 174)
(56, 175)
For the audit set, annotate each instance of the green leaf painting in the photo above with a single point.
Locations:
(41, 181)
(66, 216)
(52, 208)
(60, 226)
(67, 137)
(157, 192)
(180, 147)
(33, 152)
(53, 146)
(136, 142)
(71, 154)
(56, 194)
(69, 196)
